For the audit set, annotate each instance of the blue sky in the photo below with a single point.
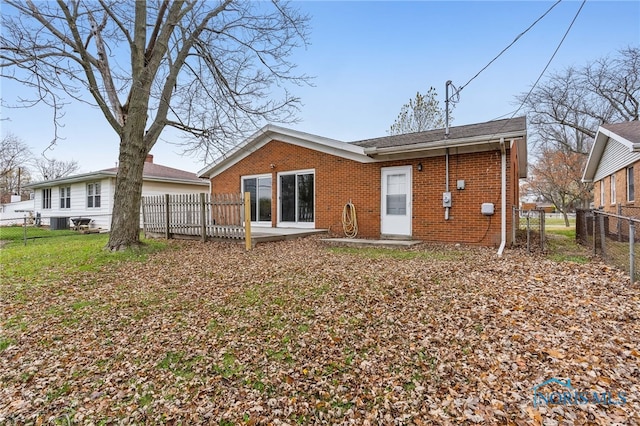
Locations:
(369, 58)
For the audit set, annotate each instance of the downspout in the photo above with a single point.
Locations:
(446, 209)
(503, 199)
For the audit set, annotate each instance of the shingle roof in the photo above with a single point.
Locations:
(489, 129)
(151, 171)
(606, 158)
(629, 130)
(162, 172)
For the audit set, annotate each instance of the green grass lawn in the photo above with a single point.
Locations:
(558, 222)
(17, 233)
(52, 255)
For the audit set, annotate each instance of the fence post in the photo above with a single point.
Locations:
(603, 236)
(167, 216)
(632, 254)
(24, 230)
(203, 218)
(619, 223)
(594, 234)
(247, 220)
(528, 233)
(543, 218)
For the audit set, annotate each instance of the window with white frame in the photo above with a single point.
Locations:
(65, 197)
(46, 198)
(631, 196)
(93, 194)
(602, 192)
(612, 187)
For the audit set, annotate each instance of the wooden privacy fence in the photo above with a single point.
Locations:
(194, 215)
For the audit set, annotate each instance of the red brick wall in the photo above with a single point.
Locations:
(339, 180)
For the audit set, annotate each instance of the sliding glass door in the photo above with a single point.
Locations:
(260, 189)
(297, 198)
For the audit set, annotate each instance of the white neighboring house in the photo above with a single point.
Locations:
(13, 213)
(90, 195)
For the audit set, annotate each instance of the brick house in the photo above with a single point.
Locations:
(614, 167)
(456, 189)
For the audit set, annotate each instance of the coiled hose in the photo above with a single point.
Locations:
(349, 220)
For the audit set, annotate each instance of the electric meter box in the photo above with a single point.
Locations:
(487, 209)
(446, 199)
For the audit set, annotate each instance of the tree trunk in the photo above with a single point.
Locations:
(125, 221)
(566, 217)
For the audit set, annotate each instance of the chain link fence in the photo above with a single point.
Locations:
(529, 229)
(613, 237)
(27, 226)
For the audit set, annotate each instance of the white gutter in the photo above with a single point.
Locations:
(450, 143)
(503, 200)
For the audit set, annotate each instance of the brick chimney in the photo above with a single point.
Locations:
(149, 158)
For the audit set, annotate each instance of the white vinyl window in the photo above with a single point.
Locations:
(602, 192)
(46, 198)
(65, 197)
(93, 195)
(612, 187)
(631, 196)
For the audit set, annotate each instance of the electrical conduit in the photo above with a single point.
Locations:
(503, 199)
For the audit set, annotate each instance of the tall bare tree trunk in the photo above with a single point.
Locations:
(125, 221)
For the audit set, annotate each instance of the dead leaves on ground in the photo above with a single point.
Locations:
(293, 332)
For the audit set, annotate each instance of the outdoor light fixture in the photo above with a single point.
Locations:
(273, 166)
(419, 167)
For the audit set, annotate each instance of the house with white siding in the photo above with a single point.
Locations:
(90, 195)
(614, 166)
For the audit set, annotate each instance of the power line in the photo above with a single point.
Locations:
(506, 48)
(550, 59)
(544, 70)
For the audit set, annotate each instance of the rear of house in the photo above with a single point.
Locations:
(429, 186)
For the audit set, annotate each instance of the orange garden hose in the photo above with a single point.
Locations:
(349, 220)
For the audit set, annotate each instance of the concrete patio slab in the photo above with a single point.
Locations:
(361, 242)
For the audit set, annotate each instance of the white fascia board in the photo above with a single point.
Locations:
(447, 143)
(293, 137)
(70, 179)
(594, 156)
(174, 180)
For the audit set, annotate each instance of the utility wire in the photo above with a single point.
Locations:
(545, 68)
(506, 48)
(550, 59)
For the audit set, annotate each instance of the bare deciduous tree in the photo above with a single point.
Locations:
(50, 168)
(15, 157)
(556, 177)
(566, 110)
(207, 68)
(420, 114)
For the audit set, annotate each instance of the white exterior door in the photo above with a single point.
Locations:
(395, 212)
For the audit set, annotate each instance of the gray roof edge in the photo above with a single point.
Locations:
(107, 174)
(446, 143)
